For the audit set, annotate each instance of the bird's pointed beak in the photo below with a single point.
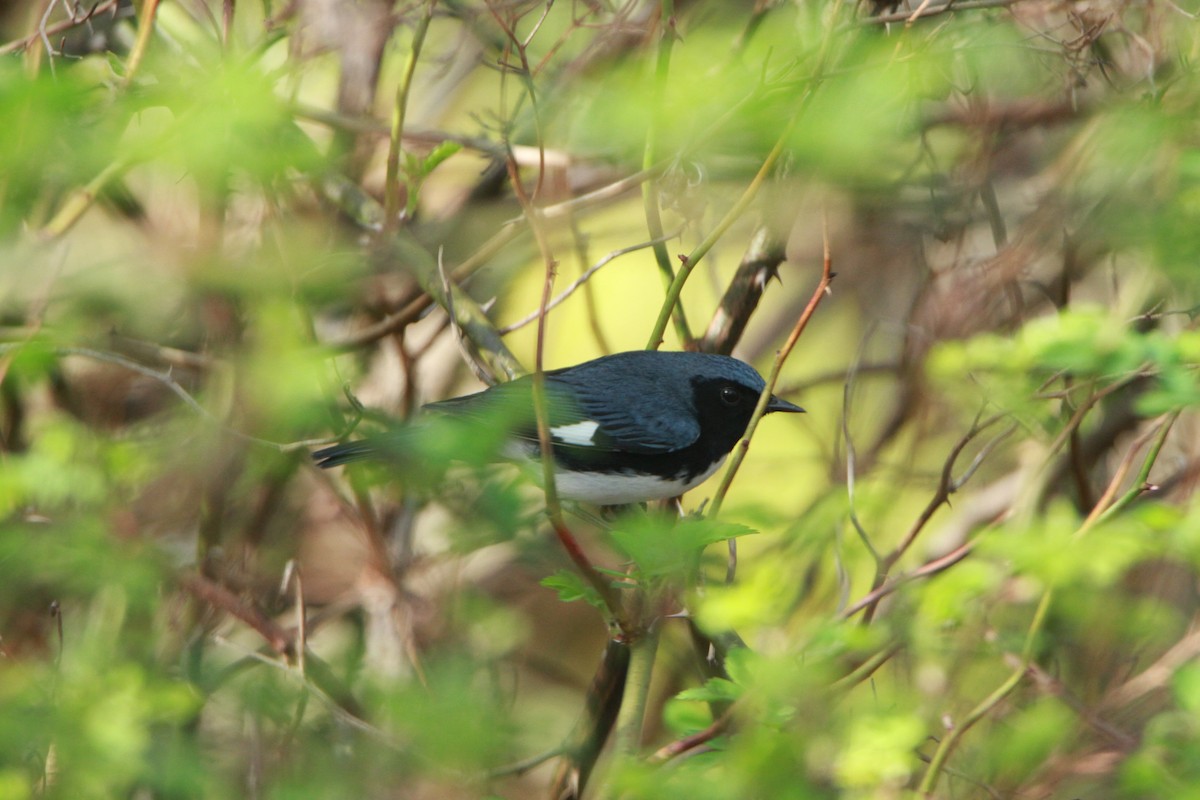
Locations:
(775, 404)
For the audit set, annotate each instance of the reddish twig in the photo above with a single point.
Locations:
(553, 507)
(217, 595)
(739, 452)
(689, 743)
(947, 485)
(924, 571)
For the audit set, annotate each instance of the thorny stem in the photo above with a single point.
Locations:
(925, 570)
(947, 485)
(1140, 485)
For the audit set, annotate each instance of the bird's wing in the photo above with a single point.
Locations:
(583, 414)
(588, 410)
(625, 418)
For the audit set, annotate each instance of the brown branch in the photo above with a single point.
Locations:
(759, 265)
(689, 743)
(586, 741)
(66, 25)
(947, 485)
(217, 595)
(1159, 674)
(927, 11)
(930, 568)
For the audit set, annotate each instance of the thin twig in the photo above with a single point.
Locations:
(662, 66)
(391, 202)
(908, 16)
(525, 764)
(1140, 485)
(947, 485)
(693, 258)
(1064, 436)
(933, 567)
(580, 281)
(689, 743)
(541, 409)
(217, 595)
(868, 668)
(852, 456)
(166, 379)
(959, 729)
(1023, 666)
(59, 27)
(142, 43)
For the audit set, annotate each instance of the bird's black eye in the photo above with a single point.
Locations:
(730, 396)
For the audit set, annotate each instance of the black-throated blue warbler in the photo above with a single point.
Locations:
(626, 428)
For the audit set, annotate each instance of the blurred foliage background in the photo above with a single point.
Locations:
(230, 232)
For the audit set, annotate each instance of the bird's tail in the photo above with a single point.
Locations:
(345, 453)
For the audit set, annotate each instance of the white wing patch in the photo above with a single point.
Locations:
(579, 433)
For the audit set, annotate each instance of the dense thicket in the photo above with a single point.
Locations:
(230, 232)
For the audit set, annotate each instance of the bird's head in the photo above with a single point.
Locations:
(724, 393)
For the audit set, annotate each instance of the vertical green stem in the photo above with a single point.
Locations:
(392, 186)
(631, 718)
(693, 258)
(142, 43)
(938, 763)
(662, 69)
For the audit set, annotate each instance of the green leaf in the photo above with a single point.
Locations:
(1186, 687)
(715, 690)
(660, 549)
(438, 155)
(571, 587)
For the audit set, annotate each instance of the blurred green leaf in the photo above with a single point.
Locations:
(662, 547)
(878, 751)
(714, 690)
(570, 586)
(439, 154)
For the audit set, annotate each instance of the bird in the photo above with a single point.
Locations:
(625, 428)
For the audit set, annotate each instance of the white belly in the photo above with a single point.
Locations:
(614, 489)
